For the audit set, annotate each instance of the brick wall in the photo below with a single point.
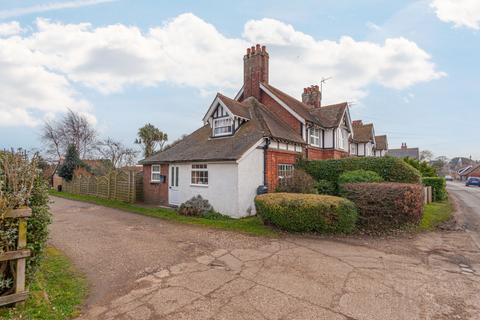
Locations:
(323, 154)
(274, 158)
(155, 193)
(280, 112)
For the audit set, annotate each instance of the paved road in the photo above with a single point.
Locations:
(144, 268)
(468, 201)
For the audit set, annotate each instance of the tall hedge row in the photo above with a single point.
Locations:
(439, 187)
(389, 168)
(384, 206)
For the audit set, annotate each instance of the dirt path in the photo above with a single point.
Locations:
(145, 268)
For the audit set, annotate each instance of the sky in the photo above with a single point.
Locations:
(410, 67)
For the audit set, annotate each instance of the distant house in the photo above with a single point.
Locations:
(250, 141)
(362, 143)
(381, 146)
(404, 152)
(470, 171)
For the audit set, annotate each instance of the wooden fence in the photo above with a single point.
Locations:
(118, 185)
(18, 257)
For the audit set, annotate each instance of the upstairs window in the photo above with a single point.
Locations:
(314, 137)
(199, 174)
(222, 126)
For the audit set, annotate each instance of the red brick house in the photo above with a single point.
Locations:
(250, 141)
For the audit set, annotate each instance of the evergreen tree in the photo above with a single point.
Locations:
(72, 161)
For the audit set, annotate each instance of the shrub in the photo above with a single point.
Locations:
(389, 168)
(385, 205)
(425, 169)
(439, 187)
(307, 212)
(299, 182)
(325, 187)
(358, 176)
(196, 207)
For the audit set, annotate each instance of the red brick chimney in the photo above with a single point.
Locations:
(357, 123)
(404, 145)
(312, 96)
(255, 70)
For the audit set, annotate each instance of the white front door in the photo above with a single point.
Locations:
(173, 190)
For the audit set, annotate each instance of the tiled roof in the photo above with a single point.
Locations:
(329, 116)
(363, 133)
(235, 107)
(381, 142)
(200, 146)
(404, 153)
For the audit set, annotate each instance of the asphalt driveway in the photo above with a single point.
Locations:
(146, 268)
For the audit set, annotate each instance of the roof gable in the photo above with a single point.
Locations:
(232, 107)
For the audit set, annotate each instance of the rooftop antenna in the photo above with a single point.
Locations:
(351, 103)
(321, 87)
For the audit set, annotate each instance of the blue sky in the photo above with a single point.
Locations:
(410, 67)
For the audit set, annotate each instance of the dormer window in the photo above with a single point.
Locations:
(222, 126)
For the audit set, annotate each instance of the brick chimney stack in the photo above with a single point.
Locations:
(312, 96)
(404, 145)
(357, 123)
(255, 70)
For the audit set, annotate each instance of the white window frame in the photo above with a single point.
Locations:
(156, 170)
(287, 168)
(314, 134)
(222, 125)
(199, 168)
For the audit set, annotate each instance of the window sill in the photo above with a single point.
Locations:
(199, 185)
(155, 182)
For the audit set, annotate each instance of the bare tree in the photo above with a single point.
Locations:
(426, 155)
(74, 129)
(116, 152)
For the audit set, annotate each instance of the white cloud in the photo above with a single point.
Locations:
(463, 13)
(10, 29)
(42, 70)
(15, 12)
(372, 26)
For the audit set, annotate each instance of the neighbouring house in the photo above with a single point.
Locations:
(362, 143)
(404, 152)
(470, 171)
(381, 146)
(247, 142)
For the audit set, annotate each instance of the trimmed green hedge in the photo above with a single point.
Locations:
(383, 206)
(307, 212)
(358, 176)
(439, 187)
(389, 168)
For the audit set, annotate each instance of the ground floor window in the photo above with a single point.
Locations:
(285, 171)
(199, 174)
(156, 176)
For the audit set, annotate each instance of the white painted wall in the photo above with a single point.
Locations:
(250, 176)
(222, 187)
(329, 138)
(341, 139)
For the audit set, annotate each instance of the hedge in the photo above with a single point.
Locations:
(384, 206)
(389, 168)
(439, 187)
(358, 176)
(307, 212)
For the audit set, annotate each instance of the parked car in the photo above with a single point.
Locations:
(473, 181)
(449, 178)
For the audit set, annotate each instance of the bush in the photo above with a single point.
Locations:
(299, 182)
(325, 187)
(195, 207)
(389, 168)
(385, 205)
(358, 176)
(426, 170)
(307, 212)
(439, 187)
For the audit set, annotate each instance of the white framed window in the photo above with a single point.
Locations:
(285, 171)
(314, 137)
(156, 175)
(199, 174)
(222, 126)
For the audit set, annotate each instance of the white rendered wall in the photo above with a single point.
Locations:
(250, 173)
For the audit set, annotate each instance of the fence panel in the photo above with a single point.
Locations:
(123, 185)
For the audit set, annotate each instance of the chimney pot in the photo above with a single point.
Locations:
(257, 49)
(264, 49)
(305, 90)
(253, 50)
(248, 51)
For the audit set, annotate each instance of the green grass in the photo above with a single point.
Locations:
(434, 214)
(56, 293)
(249, 225)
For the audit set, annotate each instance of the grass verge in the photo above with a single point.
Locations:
(249, 225)
(56, 293)
(434, 214)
